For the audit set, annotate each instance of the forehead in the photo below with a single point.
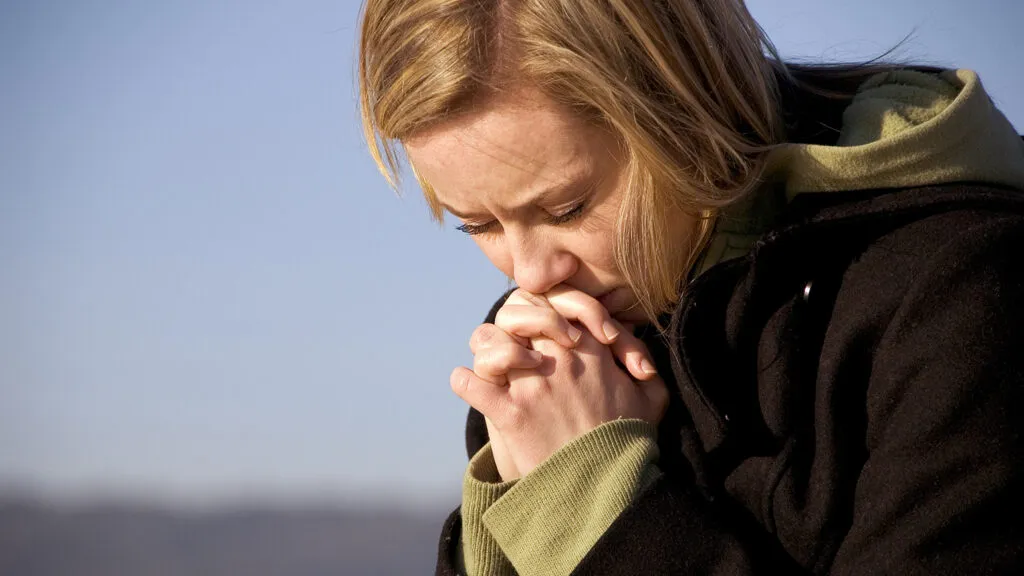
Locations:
(506, 151)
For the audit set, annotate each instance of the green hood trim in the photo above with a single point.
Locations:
(905, 129)
(902, 129)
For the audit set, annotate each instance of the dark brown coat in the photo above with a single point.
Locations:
(848, 399)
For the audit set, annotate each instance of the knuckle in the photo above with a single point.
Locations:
(553, 319)
(480, 364)
(509, 318)
(501, 356)
(484, 363)
(516, 297)
(515, 351)
(482, 334)
(504, 317)
(530, 298)
(549, 347)
(530, 392)
(514, 418)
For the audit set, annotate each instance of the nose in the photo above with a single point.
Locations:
(538, 266)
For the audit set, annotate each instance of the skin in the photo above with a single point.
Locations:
(540, 190)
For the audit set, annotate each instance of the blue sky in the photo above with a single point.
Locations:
(207, 292)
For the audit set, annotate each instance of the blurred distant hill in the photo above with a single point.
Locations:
(107, 540)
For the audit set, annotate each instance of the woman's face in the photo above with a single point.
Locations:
(538, 190)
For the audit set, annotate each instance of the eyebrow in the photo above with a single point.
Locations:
(549, 190)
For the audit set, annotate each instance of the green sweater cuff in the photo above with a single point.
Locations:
(481, 488)
(548, 521)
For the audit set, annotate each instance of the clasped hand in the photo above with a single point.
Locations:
(541, 382)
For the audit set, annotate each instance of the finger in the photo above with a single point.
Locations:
(528, 321)
(488, 399)
(520, 296)
(492, 364)
(488, 335)
(581, 307)
(633, 354)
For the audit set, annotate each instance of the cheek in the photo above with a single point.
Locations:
(595, 251)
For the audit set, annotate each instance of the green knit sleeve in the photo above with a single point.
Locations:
(547, 522)
(481, 488)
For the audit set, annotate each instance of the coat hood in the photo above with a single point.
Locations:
(902, 129)
(908, 128)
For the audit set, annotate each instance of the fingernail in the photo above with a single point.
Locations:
(647, 367)
(610, 331)
(575, 334)
(537, 356)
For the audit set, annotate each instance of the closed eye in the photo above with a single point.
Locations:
(474, 229)
(569, 216)
(489, 227)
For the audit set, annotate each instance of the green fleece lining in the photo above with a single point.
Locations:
(906, 129)
(554, 515)
(902, 129)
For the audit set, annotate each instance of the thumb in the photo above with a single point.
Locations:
(489, 399)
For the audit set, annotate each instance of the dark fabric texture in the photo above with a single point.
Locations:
(848, 399)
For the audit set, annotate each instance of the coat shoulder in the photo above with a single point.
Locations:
(885, 270)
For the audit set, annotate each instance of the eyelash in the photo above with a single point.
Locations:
(474, 229)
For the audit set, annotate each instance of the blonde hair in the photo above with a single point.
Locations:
(689, 87)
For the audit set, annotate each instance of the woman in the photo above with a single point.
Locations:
(820, 265)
